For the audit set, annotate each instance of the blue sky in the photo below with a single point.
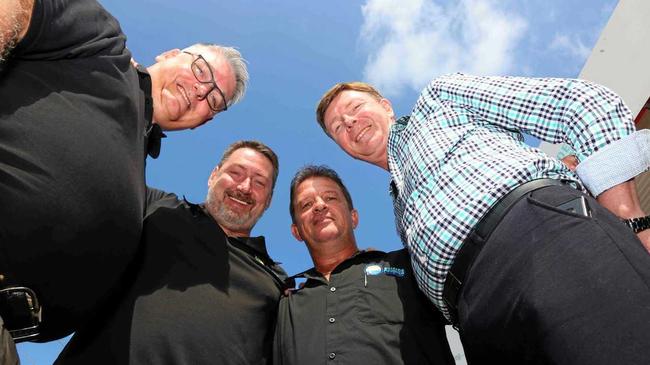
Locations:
(297, 49)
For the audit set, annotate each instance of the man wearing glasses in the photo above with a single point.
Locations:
(77, 120)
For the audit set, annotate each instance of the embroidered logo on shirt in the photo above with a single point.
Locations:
(374, 269)
(394, 271)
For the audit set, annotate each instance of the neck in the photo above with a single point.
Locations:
(383, 164)
(231, 233)
(228, 231)
(328, 256)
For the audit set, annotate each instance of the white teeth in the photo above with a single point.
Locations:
(239, 201)
(362, 133)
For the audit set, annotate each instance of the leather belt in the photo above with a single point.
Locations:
(470, 248)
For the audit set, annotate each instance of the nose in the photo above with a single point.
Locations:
(202, 90)
(245, 185)
(349, 120)
(319, 205)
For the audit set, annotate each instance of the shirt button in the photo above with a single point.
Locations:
(333, 289)
(332, 320)
(332, 355)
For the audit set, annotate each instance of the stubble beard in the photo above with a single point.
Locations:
(228, 218)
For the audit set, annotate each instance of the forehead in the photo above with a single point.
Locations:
(221, 68)
(343, 99)
(251, 160)
(317, 185)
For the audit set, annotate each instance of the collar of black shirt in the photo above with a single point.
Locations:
(312, 274)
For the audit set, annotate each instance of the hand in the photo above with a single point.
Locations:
(623, 201)
(571, 161)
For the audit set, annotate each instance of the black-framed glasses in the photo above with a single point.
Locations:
(203, 74)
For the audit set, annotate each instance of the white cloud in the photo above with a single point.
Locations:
(571, 45)
(412, 41)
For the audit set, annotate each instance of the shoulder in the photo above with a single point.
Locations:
(168, 219)
(398, 256)
(69, 29)
(156, 199)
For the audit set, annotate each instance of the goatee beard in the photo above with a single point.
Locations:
(226, 217)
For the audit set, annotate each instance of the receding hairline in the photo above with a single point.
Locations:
(232, 161)
(237, 64)
(335, 91)
(218, 51)
(258, 147)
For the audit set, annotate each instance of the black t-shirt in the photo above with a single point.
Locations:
(197, 297)
(72, 123)
(369, 312)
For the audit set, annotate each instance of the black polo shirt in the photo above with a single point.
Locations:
(370, 312)
(196, 296)
(74, 115)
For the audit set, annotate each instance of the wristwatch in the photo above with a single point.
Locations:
(638, 224)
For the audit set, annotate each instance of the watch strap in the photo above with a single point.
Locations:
(638, 224)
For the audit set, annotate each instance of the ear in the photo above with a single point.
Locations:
(355, 218)
(295, 233)
(168, 54)
(213, 176)
(388, 107)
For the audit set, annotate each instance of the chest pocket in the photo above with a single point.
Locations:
(379, 301)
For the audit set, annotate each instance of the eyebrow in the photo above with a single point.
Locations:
(338, 117)
(254, 173)
(332, 191)
(347, 105)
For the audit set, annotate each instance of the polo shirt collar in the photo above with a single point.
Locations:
(313, 274)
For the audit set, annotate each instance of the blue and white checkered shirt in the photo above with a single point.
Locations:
(461, 150)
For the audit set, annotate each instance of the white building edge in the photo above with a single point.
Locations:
(620, 60)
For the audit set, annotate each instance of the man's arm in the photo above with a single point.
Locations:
(622, 200)
(156, 198)
(584, 115)
(15, 16)
(588, 117)
(609, 175)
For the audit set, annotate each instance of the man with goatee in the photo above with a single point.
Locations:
(202, 291)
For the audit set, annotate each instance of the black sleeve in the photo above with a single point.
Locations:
(159, 199)
(67, 29)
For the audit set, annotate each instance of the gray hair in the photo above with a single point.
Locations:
(237, 64)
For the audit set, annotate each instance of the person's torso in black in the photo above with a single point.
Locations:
(72, 124)
(370, 312)
(198, 297)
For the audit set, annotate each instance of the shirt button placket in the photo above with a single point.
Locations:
(332, 304)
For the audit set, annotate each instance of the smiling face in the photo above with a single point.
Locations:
(359, 123)
(322, 214)
(239, 191)
(179, 99)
